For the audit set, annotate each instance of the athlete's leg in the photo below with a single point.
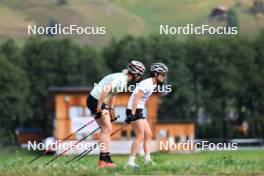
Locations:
(147, 141)
(138, 127)
(106, 129)
(105, 139)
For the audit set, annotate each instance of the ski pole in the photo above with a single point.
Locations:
(72, 146)
(84, 153)
(46, 151)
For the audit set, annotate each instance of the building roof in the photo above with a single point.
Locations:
(70, 89)
(221, 7)
(74, 89)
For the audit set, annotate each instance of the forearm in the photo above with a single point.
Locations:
(101, 99)
(135, 103)
(103, 95)
(111, 102)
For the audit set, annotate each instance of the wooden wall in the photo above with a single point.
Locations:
(180, 129)
(63, 101)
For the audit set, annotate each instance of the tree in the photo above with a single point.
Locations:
(91, 66)
(118, 54)
(210, 77)
(258, 88)
(52, 62)
(48, 63)
(11, 51)
(14, 92)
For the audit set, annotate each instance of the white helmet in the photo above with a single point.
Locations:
(159, 68)
(136, 67)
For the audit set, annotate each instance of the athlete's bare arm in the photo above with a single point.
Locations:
(138, 96)
(112, 100)
(106, 90)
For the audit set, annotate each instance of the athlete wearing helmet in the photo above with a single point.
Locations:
(101, 102)
(159, 72)
(134, 112)
(136, 69)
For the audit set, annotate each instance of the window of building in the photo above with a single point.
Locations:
(80, 116)
(145, 112)
(79, 111)
(121, 111)
(87, 112)
(163, 133)
(75, 111)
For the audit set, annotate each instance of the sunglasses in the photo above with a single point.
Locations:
(163, 74)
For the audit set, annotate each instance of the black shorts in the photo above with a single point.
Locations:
(138, 114)
(92, 103)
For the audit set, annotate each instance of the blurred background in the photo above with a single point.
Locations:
(217, 81)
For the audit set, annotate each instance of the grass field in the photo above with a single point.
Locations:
(135, 17)
(14, 161)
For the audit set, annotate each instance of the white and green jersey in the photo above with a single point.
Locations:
(118, 81)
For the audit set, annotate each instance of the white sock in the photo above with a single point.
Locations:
(147, 157)
(131, 159)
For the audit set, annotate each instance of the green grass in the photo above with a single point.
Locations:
(14, 161)
(118, 21)
(135, 17)
(181, 12)
(177, 12)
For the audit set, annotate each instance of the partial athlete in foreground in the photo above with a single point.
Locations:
(134, 112)
(101, 102)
